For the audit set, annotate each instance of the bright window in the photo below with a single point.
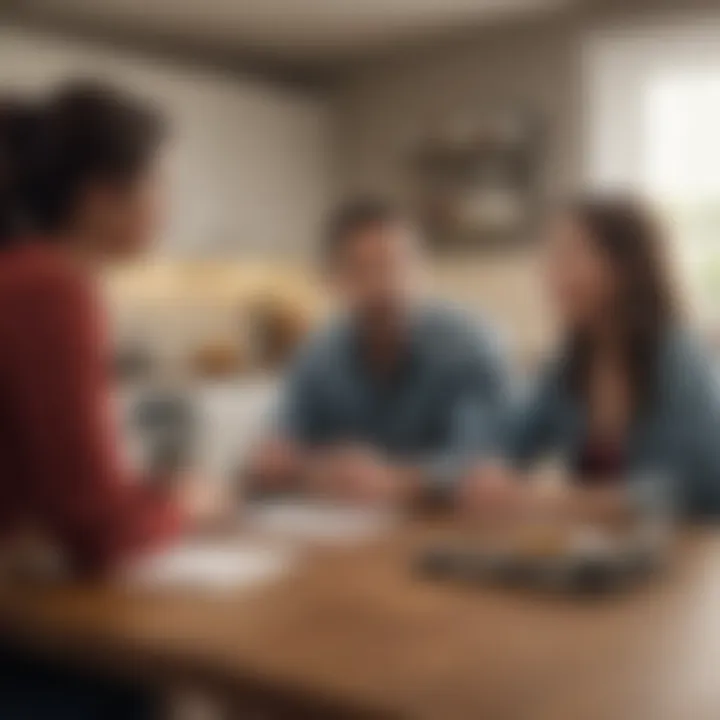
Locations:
(652, 99)
(680, 167)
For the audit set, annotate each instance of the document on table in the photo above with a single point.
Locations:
(318, 522)
(210, 566)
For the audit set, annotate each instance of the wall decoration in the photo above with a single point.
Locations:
(478, 187)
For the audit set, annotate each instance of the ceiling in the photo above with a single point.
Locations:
(287, 31)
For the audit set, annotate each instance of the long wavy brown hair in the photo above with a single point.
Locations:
(630, 235)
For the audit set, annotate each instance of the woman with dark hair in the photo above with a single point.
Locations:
(78, 188)
(630, 404)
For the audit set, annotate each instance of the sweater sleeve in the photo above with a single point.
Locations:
(79, 493)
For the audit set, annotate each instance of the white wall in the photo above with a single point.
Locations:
(249, 162)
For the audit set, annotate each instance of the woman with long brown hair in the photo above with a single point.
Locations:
(630, 404)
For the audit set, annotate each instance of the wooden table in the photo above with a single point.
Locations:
(354, 633)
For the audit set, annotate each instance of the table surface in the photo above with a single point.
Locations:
(355, 631)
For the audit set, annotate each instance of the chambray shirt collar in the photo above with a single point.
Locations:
(409, 363)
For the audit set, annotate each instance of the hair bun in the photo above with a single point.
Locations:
(50, 151)
(21, 123)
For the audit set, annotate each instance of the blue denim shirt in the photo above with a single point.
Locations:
(674, 444)
(443, 406)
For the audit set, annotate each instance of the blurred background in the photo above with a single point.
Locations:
(476, 113)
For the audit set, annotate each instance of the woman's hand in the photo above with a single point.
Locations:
(275, 466)
(206, 503)
(493, 491)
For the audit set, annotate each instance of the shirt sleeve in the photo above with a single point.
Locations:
(80, 492)
(531, 428)
(299, 416)
(679, 468)
(703, 407)
(477, 416)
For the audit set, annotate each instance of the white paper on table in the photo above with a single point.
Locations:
(209, 566)
(319, 522)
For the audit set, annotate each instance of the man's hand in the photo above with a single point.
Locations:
(493, 491)
(275, 466)
(357, 474)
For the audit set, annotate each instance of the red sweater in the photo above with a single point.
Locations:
(60, 472)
